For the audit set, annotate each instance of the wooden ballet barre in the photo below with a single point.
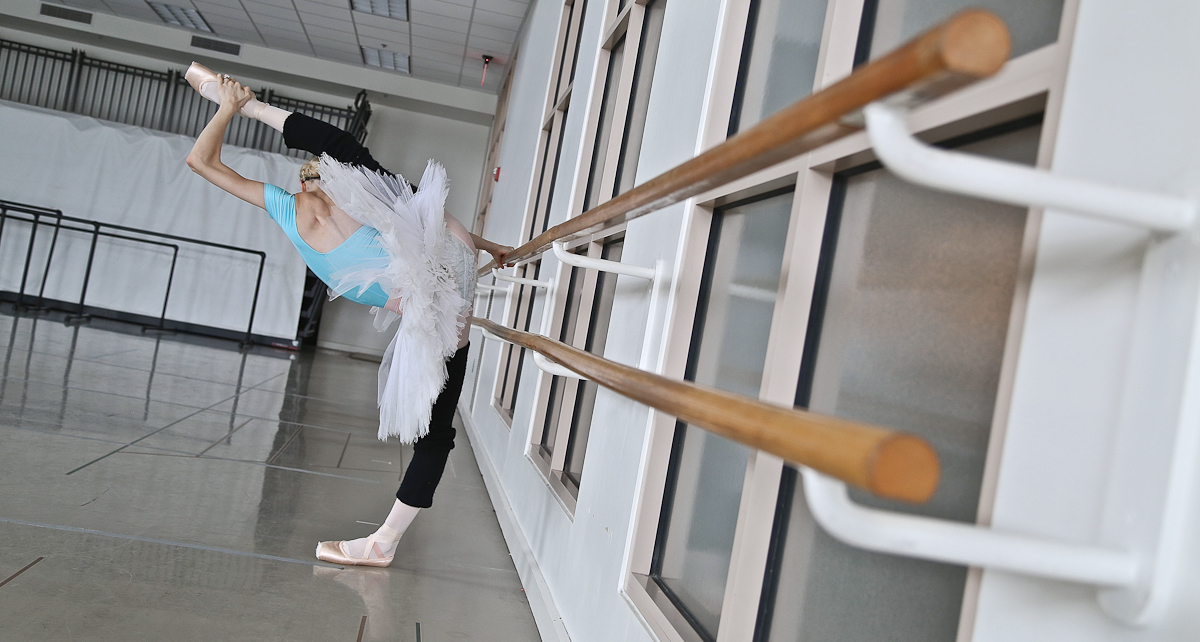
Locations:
(885, 462)
(971, 45)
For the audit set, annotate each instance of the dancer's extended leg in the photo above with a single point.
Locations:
(420, 479)
(319, 137)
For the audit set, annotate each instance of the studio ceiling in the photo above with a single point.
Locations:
(444, 40)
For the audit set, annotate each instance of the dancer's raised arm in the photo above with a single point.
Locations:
(205, 157)
(498, 252)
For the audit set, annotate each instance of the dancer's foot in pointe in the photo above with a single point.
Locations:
(376, 549)
(204, 81)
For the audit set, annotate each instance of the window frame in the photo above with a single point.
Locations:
(523, 299)
(1033, 82)
(621, 24)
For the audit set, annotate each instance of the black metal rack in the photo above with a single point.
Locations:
(97, 229)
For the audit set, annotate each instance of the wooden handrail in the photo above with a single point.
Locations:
(888, 463)
(971, 45)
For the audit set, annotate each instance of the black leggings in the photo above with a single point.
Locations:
(431, 451)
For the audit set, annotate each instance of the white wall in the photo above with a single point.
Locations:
(1129, 119)
(581, 558)
(130, 176)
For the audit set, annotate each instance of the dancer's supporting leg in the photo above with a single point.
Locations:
(420, 480)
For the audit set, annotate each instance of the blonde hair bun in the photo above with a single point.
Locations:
(310, 170)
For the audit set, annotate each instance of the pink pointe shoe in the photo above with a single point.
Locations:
(335, 553)
(204, 81)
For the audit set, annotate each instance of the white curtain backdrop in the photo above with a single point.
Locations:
(137, 177)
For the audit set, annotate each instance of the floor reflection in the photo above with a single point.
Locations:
(176, 488)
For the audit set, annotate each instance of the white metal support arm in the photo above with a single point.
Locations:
(1007, 182)
(960, 543)
(1145, 509)
(654, 275)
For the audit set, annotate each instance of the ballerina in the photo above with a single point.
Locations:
(366, 234)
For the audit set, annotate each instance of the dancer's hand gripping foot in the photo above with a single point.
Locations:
(208, 83)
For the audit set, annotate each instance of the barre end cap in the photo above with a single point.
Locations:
(905, 468)
(975, 43)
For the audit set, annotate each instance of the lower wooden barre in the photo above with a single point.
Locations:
(885, 462)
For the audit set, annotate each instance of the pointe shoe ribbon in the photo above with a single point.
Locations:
(199, 77)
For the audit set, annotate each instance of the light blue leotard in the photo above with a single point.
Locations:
(363, 245)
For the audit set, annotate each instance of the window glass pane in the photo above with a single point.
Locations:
(1032, 23)
(912, 336)
(585, 401)
(604, 126)
(558, 385)
(639, 101)
(779, 58)
(580, 13)
(704, 487)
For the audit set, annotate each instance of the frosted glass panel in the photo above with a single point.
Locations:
(695, 538)
(1032, 23)
(912, 337)
(784, 43)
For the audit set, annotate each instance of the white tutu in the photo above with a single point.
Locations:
(425, 269)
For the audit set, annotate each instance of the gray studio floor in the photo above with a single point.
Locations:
(173, 489)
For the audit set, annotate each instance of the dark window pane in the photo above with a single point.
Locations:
(1032, 23)
(779, 58)
(704, 488)
(912, 336)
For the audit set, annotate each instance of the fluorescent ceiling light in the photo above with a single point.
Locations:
(385, 59)
(397, 9)
(180, 16)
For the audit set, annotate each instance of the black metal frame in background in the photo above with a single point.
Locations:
(161, 100)
(18, 212)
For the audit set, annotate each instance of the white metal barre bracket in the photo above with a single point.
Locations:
(654, 275)
(1016, 184)
(541, 361)
(960, 543)
(521, 281)
(1158, 430)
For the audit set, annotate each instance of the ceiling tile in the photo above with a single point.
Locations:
(374, 33)
(493, 33)
(251, 4)
(379, 22)
(278, 23)
(319, 22)
(310, 20)
(304, 7)
(270, 10)
(438, 56)
(493, 19)
(441, 8)
(331, 34)
(207, 9)
(457, 37)
(438, 45)
(441, 22)
(400, 46)
(506, 7)
(340, 45)
(490, 46)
